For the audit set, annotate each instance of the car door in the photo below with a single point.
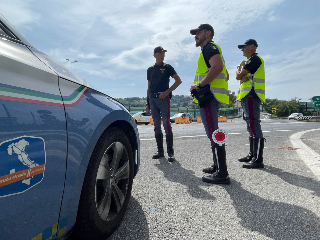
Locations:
(32, 143)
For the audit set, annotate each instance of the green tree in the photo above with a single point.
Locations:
(282, 106)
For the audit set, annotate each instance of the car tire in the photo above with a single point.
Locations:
(106, 188)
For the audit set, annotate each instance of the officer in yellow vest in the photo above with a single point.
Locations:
(212, 71)
(251, 94)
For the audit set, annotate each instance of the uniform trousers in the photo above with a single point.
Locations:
(161, 108)
(209, 116)
(251, 114)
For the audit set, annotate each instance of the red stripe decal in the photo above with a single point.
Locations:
(16, 99)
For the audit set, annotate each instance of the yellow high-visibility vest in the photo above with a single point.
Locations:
(256, 80)
(219, 86)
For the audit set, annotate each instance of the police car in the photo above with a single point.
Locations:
(68, 152)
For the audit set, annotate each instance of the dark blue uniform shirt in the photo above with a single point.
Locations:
(208, 51)
(253, 63)
(159, 76)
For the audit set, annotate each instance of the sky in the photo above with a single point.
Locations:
(113, 41)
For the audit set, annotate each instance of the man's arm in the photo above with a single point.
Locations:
(176, 84)
(148, 95)
(241, 72)
(216, 68)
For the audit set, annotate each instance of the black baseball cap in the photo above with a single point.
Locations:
(159, 50)
(248, 42)
(202, 27)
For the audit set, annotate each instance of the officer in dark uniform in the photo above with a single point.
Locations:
(158, 100)
(251, 74)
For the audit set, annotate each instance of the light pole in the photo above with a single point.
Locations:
(71, 62)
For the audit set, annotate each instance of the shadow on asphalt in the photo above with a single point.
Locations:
(273, 219)
(174, 172)
(134, 224)
(295, 180)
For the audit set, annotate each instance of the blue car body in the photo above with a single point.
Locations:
(50, 123)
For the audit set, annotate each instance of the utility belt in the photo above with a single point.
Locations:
(154, 95)
(157, 95)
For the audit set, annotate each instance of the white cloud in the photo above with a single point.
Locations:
(18, 12)
(294, 74)
(169, 22)
(88, 56)
(271, 17)
(116, 40)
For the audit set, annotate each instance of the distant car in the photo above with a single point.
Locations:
(68, 152)
(142, 117)
(182, 115)
(295, 116)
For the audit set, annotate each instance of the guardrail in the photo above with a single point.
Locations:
(309, 118)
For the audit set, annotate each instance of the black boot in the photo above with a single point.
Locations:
(213, 167)
(221, 176)
(257, 160)
(170, 151)
(159, 140)
(250, 155)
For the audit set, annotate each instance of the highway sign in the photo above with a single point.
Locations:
(316, 98)
(317, 104)
(274, 110)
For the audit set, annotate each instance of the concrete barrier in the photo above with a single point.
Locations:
(152, 122)
(222, 119)
(181, 120)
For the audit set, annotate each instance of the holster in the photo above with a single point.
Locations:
(203, 95)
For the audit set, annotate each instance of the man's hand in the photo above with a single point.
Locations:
(148, 109)
(194, 86)
(163, 95)
(244, 79)
(242, 63)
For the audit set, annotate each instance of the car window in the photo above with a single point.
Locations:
(2, 33)
(6, 33)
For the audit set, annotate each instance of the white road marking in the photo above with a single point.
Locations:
(151, 139)
(310, 157)
(192, 136)
(147, 139)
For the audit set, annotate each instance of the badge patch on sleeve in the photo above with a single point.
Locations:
(23, 163)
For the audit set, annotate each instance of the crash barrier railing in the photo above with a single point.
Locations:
(228, 112)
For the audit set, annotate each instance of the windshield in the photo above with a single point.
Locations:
(136, 114)
(177, 115)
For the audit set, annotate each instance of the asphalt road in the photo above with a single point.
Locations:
(281, 201)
